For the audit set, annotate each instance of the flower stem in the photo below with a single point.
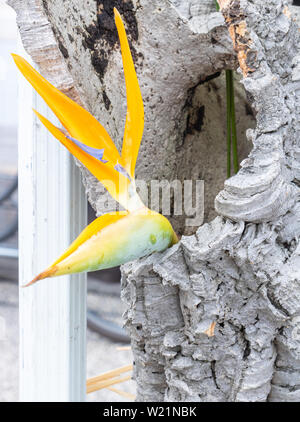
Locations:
(228, 115)
(233, 125)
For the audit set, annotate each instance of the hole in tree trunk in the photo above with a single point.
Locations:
(205, 148)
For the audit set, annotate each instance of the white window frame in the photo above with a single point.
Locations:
(52, 212)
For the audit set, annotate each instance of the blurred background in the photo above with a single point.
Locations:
(105, 336)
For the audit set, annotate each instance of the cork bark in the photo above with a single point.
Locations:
(216, 317)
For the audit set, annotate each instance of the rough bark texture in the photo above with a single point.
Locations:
(238, 277)
(215, 318)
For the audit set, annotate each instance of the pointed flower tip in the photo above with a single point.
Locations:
(117, 14)
(45, 274)
(31, 282)
(39, 116)
(37, 278)
(17, 59)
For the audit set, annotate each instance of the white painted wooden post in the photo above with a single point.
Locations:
(52, 211)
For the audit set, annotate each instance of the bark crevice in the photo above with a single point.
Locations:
(235, 270)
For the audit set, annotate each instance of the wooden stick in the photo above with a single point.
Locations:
(104, 384)
(108, 375)
(122, 393)
(123, 348)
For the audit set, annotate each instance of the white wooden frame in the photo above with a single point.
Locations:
(52, 211)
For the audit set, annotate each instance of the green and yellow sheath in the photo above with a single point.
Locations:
(128, 237)
(114, 238)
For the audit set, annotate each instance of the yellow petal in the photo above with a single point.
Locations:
(79, 123)
(134, 125)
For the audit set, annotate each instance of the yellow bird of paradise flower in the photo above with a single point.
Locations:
(118, 237)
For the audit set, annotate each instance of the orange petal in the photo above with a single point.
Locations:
(113, 181)
(134, 125)
(79, 123)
